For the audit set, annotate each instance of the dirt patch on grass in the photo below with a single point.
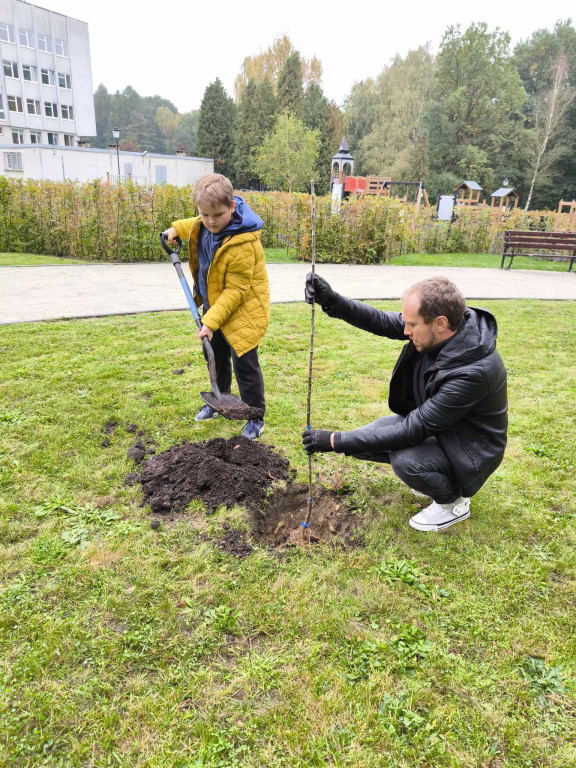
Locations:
(278, 521)
(217, 472)
(242, 472)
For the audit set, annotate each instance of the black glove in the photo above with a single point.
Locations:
(316, 440)
(318, 290)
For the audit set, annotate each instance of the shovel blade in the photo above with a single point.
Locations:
(231, 407)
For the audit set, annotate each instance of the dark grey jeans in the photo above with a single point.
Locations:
(246, 369)
(424, 467)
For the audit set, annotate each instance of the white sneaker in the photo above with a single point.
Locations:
(418, 493)
(436, 517)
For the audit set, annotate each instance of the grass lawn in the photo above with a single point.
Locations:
(475, 260)
(35, 260)
(281, 256)
(123, 645)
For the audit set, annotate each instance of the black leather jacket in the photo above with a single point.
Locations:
(465, 404)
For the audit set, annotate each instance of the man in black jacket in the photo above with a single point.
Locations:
(448, 391)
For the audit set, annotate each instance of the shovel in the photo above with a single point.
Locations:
(230, 406)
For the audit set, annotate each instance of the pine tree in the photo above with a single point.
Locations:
(322, 116)
(254, 121)
(290, 96)
(216, 128)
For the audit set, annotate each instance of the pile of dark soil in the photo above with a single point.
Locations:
(217, 472)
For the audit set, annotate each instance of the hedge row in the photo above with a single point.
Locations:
(121, 223)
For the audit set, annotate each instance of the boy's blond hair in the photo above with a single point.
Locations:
(213, 189)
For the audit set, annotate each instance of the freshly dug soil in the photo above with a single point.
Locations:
(277, 522)
(217, 472)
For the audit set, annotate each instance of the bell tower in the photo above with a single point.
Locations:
(342, 164)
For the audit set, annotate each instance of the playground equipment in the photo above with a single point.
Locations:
(571, 205)
(473, 188)
(343, 184)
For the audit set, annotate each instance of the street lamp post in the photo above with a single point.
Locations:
(116, 134)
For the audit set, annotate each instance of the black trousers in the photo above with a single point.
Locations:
(246, 369)
(424, 467)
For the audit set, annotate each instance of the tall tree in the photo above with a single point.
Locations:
(537, 61)
(323, 116)
(550, 142)
(269, 64)
(249, 134)
(187, 132)
(397, 145)
(216, 128)
(478, 101)
(287, 158)
(290, 95)
(362, 111)
(168, 122)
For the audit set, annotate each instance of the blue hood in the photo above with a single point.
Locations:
(243, 220)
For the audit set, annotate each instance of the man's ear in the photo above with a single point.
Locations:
(441, 323)
(233, 206)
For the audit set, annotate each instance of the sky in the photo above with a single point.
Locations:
(176, 49)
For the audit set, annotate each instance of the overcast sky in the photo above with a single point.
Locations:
(175, 48)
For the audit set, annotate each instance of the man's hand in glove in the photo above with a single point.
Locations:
(318, 290)
(317, 440)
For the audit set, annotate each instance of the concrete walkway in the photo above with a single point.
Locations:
(30, 294)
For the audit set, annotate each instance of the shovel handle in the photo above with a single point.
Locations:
(208, 351)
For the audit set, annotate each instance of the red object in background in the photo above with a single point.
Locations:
(354, 184)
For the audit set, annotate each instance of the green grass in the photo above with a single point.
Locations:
(282, 256)
(475, 260)
(35, 260)
(121, 645)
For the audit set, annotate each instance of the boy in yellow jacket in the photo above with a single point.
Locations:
(230, 280)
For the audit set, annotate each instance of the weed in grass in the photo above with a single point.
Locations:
(11, 417)
(362, 657)
(222, 619)
(398, 717)
(409, 646)
(544, 681)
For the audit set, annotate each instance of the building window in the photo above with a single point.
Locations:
(67, 111)
(13, 161)
(35, 137)
(44, 42)
(68, 140)
(2, 113)
(15, 104)
(17, 137)
(33, 107)
(29, 73)
(10, 68)
(60, 47)
(7, 33)
(50, 109)
(47, 76)
(52, 138)
(26, 37)
(64, 80)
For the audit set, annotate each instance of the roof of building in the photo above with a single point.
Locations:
(504, 192)
(470, 185)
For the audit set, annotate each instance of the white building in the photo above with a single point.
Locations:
(56, 163)
(46, 94)
(47, 103)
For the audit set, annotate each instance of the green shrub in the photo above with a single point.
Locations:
(94, 220)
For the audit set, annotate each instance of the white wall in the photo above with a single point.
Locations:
(57, 163)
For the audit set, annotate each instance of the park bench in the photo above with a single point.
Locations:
(525, 243)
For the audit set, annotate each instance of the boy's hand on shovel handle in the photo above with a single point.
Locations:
(204, 331)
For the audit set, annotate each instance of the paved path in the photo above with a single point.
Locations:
(50, 293)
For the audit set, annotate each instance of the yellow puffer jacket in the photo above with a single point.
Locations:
(237, 283)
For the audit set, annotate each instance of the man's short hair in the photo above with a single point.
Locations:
(213, 189)
(439, 296)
